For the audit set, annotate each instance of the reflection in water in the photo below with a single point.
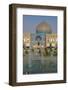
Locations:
(36, 64)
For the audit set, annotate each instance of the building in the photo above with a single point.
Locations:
(26, 39)
(43, 41)
(38, 40)
(51, 40)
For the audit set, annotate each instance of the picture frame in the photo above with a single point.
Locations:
(14, 40)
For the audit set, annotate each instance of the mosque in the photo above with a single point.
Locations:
(40, 40)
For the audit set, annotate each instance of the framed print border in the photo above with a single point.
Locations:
(13, 42)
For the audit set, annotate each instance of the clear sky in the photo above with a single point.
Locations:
(31, 21)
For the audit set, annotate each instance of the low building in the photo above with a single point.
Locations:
(51, 40)
(26, 39)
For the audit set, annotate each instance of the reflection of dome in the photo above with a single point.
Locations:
(43, 27)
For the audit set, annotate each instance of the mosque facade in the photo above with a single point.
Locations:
(42, 39)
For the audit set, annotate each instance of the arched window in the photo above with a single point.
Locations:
(38, 38)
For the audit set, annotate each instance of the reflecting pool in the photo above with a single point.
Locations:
(34, 63)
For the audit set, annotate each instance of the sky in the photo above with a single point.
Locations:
(31, 21)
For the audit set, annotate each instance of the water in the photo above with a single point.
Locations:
(39, 64)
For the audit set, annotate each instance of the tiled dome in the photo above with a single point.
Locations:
(43, 27)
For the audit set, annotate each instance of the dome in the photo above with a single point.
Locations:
(43, 27)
